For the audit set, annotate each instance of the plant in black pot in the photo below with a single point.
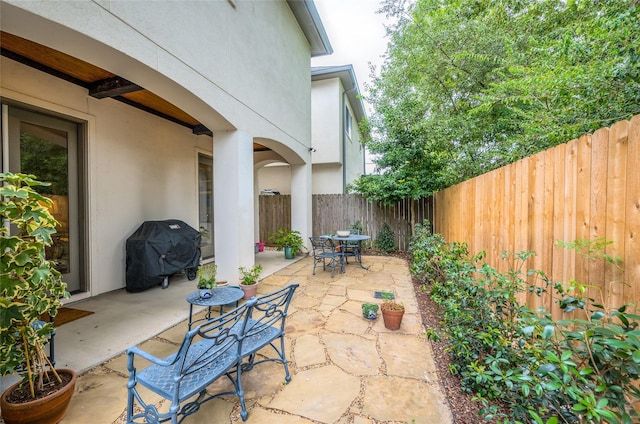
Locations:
(31, 288)
(290, 241)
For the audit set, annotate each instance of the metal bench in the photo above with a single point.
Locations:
(198, 363)
(227, 345)
(265, 327)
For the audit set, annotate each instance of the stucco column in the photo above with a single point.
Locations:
(301, 203)
(233, 198)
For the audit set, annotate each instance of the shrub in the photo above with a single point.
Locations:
(522, 365)
(385, 240)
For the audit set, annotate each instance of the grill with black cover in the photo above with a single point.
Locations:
(159, 249)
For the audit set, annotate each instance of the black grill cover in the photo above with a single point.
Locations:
(158, 249)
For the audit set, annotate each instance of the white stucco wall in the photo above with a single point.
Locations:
(327, 179)
(276, 178)
(326, 121)
(241, 68)
(328, 159)
(354, 151)
(246, 66)
(140, 167)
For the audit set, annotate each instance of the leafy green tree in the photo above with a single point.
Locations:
(471, 85)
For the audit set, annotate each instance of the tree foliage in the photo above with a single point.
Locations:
(471, 85)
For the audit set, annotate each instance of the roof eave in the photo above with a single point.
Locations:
(348, 79)
(309, 20)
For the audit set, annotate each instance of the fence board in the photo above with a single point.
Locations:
(598, 206)
(559, 254)
(332, 212)
(632, 216)
(587, 188)
(616, 207)
(583, 203)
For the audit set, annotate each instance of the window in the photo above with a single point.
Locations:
(348, 122)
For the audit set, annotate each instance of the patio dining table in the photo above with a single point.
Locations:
(351, 238)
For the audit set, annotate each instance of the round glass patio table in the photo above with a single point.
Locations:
(220, 296)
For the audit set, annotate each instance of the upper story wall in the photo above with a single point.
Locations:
(247, 60)
(353, 148)
(326, 121)
(335, 140)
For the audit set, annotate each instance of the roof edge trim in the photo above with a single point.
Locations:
(309, 20)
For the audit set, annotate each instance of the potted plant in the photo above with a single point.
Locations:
(370, 310)
(207, 280)
(31, 287)
(249, 280)
(288, 240)
(392, 311)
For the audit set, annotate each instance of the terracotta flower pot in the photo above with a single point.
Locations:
(47, 410)
(249, 291)
(392, 318)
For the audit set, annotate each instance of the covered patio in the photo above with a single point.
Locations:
(345, 369)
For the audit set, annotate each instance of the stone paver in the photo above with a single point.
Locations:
(407, 356)
(309, 351)
(94, 385)
(345, 322)
(353, 354)
(321, 394)
(404, 399)
(345, 369)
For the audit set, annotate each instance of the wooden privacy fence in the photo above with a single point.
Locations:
(332, 212)
(588, 188)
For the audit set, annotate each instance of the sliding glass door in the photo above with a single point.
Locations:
(205, 204)
(47, 147)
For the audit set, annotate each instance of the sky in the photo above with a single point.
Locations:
(357, 34)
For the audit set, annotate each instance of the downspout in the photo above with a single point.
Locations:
(345, 111)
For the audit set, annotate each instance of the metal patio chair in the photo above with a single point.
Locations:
(352, 248)
(324, 250)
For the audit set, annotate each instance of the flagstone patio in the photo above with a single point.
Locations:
(345, 369)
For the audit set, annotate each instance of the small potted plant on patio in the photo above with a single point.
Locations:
(392, 310)
(207, 280)
(31, 287)
(370, 310)
(288, 240)
(249, 280)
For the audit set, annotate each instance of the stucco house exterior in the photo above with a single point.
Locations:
(158, 110)
(338, 155)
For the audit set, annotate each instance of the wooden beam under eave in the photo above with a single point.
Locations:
(112, 87)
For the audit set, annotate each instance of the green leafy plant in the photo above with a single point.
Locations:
(370, 310)
(521, 364)
(284, 237)
(385, 240)
(250, 276)
(30, 285)
(207, 276)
